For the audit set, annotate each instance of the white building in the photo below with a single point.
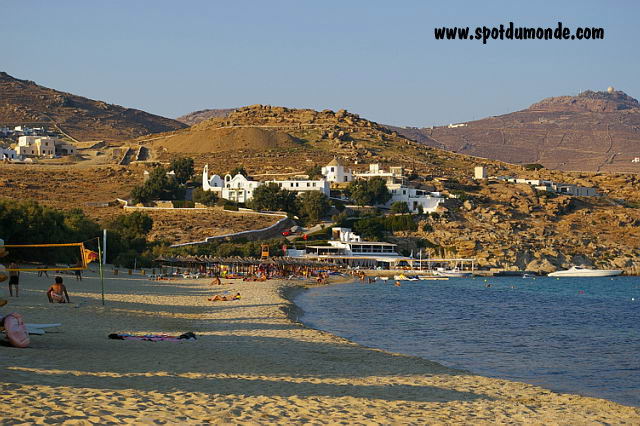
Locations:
(376, 171)
(8, 154)
(336, 172)
(480, 172)
(239, 188)
(348, 248)
(416, 199)
(40, 146)
(302, 186)
(548, 185)
(36, 146)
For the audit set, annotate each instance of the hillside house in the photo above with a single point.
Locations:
(416, 199)
(375, 171)
(559, 188)
(43, 146)
(8, 154)
(239, 188)
(336, 172)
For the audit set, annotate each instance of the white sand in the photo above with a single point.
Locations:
(250, 364)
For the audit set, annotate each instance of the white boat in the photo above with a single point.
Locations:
(403, 277)
(581, 271)
(432, 278)
(452, 273)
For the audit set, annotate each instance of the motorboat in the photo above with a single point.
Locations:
(403, 277)
(452, 273)
(582, 271)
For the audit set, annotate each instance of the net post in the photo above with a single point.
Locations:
(101, 271)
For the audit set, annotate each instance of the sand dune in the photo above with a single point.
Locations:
(250, 364)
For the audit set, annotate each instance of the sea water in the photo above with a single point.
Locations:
(576, 335)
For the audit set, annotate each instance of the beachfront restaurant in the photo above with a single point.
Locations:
(348, 249)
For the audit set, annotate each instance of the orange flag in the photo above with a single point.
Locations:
(89, 256)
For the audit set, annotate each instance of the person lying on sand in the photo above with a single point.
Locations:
(58, 292)
(218, 298)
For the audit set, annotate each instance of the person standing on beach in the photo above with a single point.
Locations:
(14, 278)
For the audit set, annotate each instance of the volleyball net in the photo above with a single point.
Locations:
(48, 257)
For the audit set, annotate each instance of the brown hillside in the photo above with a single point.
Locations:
(206, 140)
(594, 131)
(25, 102)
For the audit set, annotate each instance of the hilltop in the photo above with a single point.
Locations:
(593, 131)
(25, 102)
(202, 115)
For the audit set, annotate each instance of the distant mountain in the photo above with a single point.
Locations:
(204, 114)
(593, 131)
(25, 102)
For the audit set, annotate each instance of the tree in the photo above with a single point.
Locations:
(272, 197)
(158, 187)
(314, 172)
(369, 192)
(399, 207)
(313, 205)
(128, 234)
(370, 228)
(208, 198)
(183, 168)
(239, 170)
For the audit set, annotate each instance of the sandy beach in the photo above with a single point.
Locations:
(250, 364)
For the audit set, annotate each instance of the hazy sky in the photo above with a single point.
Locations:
(375, 58)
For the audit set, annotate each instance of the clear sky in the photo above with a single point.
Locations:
(375, 58)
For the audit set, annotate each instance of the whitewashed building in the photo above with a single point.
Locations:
(375, 171)
(302, 186)
(36, 146)
(41, 146)
(336, 172)
(416, 199)
(240, 188)
(560, 188)
(8, 154)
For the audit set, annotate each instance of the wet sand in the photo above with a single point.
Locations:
(251, 364)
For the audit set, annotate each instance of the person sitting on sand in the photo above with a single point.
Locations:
(58, 292)
(216, 281)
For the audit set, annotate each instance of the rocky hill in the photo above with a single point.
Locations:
(503, 225)
(25, 102)
(202, 115)
(593, 131)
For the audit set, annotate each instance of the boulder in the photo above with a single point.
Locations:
(542, 265)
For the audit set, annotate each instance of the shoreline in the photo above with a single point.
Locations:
(252, 363)
(291, 295)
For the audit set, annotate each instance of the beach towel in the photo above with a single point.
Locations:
(16, 330)
(153, 337)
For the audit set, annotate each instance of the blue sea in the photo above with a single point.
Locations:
(576, 335)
